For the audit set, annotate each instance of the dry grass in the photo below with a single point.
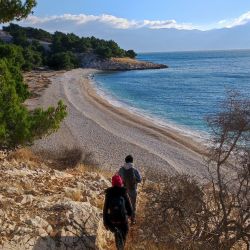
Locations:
(82, 168)
(24, 154)
(38, 80)
(75, 195)
(125, 60)
(99, 202)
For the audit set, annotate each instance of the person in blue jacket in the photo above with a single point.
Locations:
(131, 177)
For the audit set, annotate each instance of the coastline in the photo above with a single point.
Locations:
(107, 134)
(143, 122)
(199, 137)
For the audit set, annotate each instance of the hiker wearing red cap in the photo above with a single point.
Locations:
(117, 208)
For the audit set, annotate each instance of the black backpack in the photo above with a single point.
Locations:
(129, 178)
(117, 209)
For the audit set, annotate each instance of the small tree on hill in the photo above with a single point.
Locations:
(130, 53)
(104, 52)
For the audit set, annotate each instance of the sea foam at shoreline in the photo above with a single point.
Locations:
(199, 136)
(183, 95)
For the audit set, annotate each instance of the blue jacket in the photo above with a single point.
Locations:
(137, 175)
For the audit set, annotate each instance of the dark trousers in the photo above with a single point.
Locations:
(132, 195)
(123, 229)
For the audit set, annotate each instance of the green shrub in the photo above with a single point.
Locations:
(104, 52)
(130, 53)
(63, 60)
(61, 42)
(18, 126)
(12, 53)
(32, 59)
(12, 75)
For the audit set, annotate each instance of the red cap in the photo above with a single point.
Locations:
(117, 181)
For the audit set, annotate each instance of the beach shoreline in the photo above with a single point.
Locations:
(196, 135)
(109, 133)
(132, 118)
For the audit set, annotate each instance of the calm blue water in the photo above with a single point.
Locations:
(184, 94)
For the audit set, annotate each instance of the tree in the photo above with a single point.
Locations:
(130, 53)
(63, 60)
(18, 126)
(32, 59)
(186, 214)
(104, 52)
(12, 53)
(15, 9)
(229, 169)
(13, 58)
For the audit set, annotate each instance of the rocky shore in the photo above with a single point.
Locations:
(90, 60)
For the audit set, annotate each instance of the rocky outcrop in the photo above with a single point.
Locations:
(42, 208)
(5, 37)
(90, 60)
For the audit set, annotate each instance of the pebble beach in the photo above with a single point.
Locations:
(106, 134)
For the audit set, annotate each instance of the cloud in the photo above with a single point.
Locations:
(230, 23)
(70, 22)
(167, 25)
(243, 19)
(82, 19)
(112, 21)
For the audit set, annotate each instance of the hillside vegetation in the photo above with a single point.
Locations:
(62, 49)
(18, 125)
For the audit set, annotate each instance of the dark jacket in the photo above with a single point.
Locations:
(110, 193)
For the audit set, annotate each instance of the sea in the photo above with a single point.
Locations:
(183, 95)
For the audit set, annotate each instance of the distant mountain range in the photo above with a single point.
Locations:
(153, 40)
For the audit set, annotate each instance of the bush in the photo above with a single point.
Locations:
(185, 214)
(66, 158)
(12, 75)
(104, 52)
(174, 210)
(130, 53)
(13, 54)
(33, 59)
(63, 60)
(18, 126)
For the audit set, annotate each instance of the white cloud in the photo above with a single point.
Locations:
(77, 19)
(167, 25)
(241, 20)
(113, 21)
(82, 20)
(117, 22)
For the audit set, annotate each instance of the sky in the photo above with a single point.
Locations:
(204, 13)
(150, 25)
